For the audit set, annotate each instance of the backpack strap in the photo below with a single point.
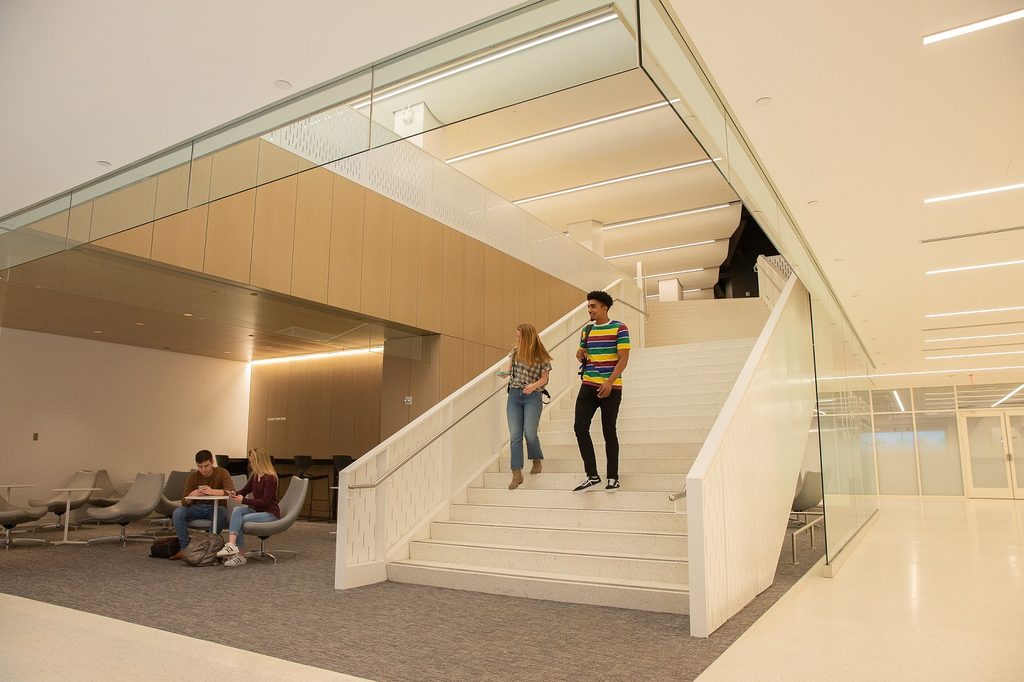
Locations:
(586, 337)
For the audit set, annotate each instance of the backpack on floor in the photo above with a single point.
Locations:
(164, 548)
(202, 550)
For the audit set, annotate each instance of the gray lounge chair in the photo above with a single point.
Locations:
(138, 503)
(290, 505)
(58, 504)
(108, 495)
(12, 515)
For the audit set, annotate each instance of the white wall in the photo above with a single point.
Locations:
(104, 405)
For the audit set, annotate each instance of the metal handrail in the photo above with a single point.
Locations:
(448, 428)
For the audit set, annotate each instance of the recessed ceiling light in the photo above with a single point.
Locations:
(659, 250)
(763, 101)
(976, 312)
(813, 203)
(975, 193)
(96, 331)
(282, 85)
(559, 131)
(187, 314)
(665, 216)
(140, 324)
(975, 355)
(973, 338)
(677, 272)
(569, 30)
(103, 164)
(971, 28)
(612, 181)
(975, 267)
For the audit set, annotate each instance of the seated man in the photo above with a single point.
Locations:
(205, 480)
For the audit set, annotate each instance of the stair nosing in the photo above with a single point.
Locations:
(658, 558)
(565, 529)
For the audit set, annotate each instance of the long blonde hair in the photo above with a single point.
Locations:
(530, 350)
(259, 462)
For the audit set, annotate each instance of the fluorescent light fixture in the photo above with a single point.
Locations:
(666, 216)
(927, 372)
(559, 131)
(472, 64)
(976, 355)
(634, 176)
(971, 28)
(663, 248)
(973, 338)
(898, 401)
(977, 312)
(319, 356)
(975, 193)
(1008, 396)
(677, 272)
(975, 267)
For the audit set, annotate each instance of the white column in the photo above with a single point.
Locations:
(670, 290)
(589, 234)
(411, 120)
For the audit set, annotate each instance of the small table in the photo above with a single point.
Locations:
(67, 513)
(215, 498)
(11, 486)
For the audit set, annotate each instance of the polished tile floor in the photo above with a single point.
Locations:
(934, 591)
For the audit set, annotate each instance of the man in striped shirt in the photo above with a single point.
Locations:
(603, 354)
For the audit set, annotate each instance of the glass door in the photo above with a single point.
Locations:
(988, 452)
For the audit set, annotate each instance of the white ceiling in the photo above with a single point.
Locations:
(869, 122)
(864, 120)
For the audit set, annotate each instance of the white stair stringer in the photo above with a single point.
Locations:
(626, 549)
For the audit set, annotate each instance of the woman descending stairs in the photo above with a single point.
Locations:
(625, 548)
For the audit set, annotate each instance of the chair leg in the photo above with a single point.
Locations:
(122, 537)
(8, 541)
(263, 552)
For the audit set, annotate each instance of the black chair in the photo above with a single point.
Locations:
(223, 461)
(303, 463)
(340, 462)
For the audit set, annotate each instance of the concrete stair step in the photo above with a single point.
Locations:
(654, 384)
(564, 499)
(668, 483)
(626, 594)
(641, 372)
(628, 466)
(629, 410)
(663, 435)
(626, 450)
(553, 517)
(617, 566)
(564, 421)
(594, 540)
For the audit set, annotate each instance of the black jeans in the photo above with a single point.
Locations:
(587, 403)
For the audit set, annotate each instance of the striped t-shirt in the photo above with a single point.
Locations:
(603, 346)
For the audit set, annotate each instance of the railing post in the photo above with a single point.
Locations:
(341, 540)
(380, 521)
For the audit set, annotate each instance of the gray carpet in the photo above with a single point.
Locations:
(388, 631)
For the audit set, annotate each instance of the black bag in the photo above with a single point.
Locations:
(164, 548)
(586, 337)
(543, 392)
(202, 550)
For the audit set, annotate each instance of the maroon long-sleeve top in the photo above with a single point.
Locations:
(261, 494)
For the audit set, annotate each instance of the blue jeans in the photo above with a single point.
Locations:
(182, 515)
(523, 418)
(240, 515)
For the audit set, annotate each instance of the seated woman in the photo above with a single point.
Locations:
(260, 505)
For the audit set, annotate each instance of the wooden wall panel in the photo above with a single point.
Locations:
(375, 294)
(453, 272)
(428, 275)
(473, 286)
(172, 191)
(494, 334)
(343, 402)
(137, 241)
(79, 223)
(229, 237)
(311, 253)
(300, 385)
(425, 376)
(527, 286)
(367, 390)
(344, 284)
(404, 265)
(180, 239)
(274, 163)
(472, 360)
(492, 355)
(510, 271)
(199, 181)
(542, 300)
(234, 169)
(277, 377)
(258, 395)
(394, 414)
(273, 235)
(130, 206)
(451, 366)
(319, 409)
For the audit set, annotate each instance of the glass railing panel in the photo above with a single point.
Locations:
(37, 232)
(534, 52)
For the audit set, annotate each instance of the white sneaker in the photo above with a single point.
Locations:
(236, 560)
(229, 549)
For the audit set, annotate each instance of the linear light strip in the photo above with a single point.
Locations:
(677, 272)
(610, 16)
(663, 248)
(975, 267)
(971, 28)
(976, 355)
(975, 193)
(665, 216)
(319, 356)
(1007, 396)
(685, 291)
(976, 312)
(926, 372)
(613, 181)
(558, 131)
(898, 401)
(973, 338)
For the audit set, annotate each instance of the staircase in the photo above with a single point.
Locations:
(624, 549)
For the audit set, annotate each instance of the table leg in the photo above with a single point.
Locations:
(67, 515)
(215, 516)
